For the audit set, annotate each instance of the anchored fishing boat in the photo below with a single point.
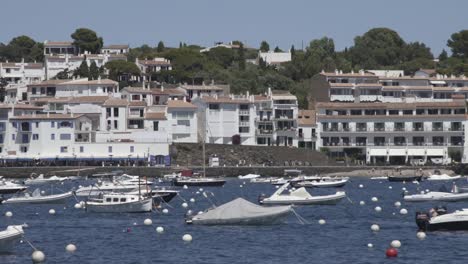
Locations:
(119, 203)
(37, 198)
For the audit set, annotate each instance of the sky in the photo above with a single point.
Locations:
(281, 23)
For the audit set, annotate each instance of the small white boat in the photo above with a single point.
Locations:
(240, 212)
(126, 179)
(103, 188)
(10, 237)
(119, 203)
(437, 196)
(442, 177)
(9, 187)
(40, 179)
(279, 181)
(37, 198)
(439, 220)
(248, 176)
(172, 176)
(379, 178)
(323, 183)
(263, 180)
(301, 197)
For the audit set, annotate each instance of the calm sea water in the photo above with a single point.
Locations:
(103, 238)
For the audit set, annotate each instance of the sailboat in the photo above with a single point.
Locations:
(202, 180)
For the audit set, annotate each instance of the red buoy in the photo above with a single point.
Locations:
(391, 253)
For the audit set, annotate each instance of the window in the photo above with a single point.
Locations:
(25, 138)
(123, 200)
(109, 149)
(108, 112)
(116, 112)
(13, 137)
(65, 136)
(132, 149)
(35, 136)
(52, 124)
(33, 91)
(1, 139)
(24, 149)
(63, 149)
(52, 136)
(243, 129)
(183, 122)
(81, 149)
(115, 200)
(37, 124)
(116, 124)
(65, 124)
(155, 125)
(108, 200)
(214, 106)
(42, 90)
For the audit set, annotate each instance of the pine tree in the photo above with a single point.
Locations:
(293, 52)
(83, 70)
(160, 47)
(443, 55)
(93, 71)
(277, 49)
(241, 57)
(264, 46)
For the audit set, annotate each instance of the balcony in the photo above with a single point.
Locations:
(361, 129)
(244, 124)
(284, 117)
(419, 129)
(264, 131)
(342, 98)
(437, 128)
(379, 129)
(244, 112)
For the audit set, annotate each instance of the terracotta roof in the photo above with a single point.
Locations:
(20, 106)
(48, 82)
(115, 102)
(378, 85)
(51, 100)
(115, 47)
(89, 99)
(202, 87)
(343, 106)
(173, 91)
(137, 90)
(419, 88)
(58, 43)
(92, 82)
(34, 66)
(428, 71)
(393, 88)
(404, 78)
(137, 103)
(443, 88)
(261, 98)
(45, 116)
(333, 74)
(379, 117)
(155, 115)
(306, 118)
(9, 65)
(180, 104)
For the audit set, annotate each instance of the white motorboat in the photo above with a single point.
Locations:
(439, 219)
(9, 187)
(248, 176)
(126, 179)
(103, 188)
(240, 212)
(37, 198)
(379, 178)
(323, 183)
(10, 237)
(301, 197)
(437, 196)
(119, 203)
(279, 181)
(442, 177)
(40, 179)
(198, 181)
(263, 180)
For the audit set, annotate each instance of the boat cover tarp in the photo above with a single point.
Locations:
(302, 193)
(240, 209)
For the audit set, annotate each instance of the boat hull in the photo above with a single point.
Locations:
(8, 240)
(51, 199)
(404, 178)
(260, 220)
(324, 200)
(448, 226)
(130, 207)
(180, 183)
(12, 190)
(443, 198)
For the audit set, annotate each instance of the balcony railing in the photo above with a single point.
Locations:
(244, 112)
(244, 124)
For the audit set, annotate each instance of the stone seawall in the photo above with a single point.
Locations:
(24, 172)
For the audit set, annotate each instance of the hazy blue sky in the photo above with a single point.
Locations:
(203, 22)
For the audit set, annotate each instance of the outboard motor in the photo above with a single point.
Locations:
(261, 197)
(422, 220)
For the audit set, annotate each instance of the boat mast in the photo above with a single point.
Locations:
(203, 141)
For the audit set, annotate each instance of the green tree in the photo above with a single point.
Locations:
(458, 43)
(293, 52)
(83, 70)
(277, 49)
(93, 71)
(87, 40)
(22, 47)
(443, 56)
(3, 84)
(377, 48)
(160, 47)
(63, 75)
(241, 58)
(119, 68)
(221, 56)
(264, 46)
(417, 50)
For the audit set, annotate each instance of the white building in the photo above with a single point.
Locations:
(307, 129)
(148, 67)
(115, 49)
(211, 89)
(18, 75)
(274, 58)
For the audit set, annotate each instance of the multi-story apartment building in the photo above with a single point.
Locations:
(18, 75)
(391, 119)
(306, 129)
